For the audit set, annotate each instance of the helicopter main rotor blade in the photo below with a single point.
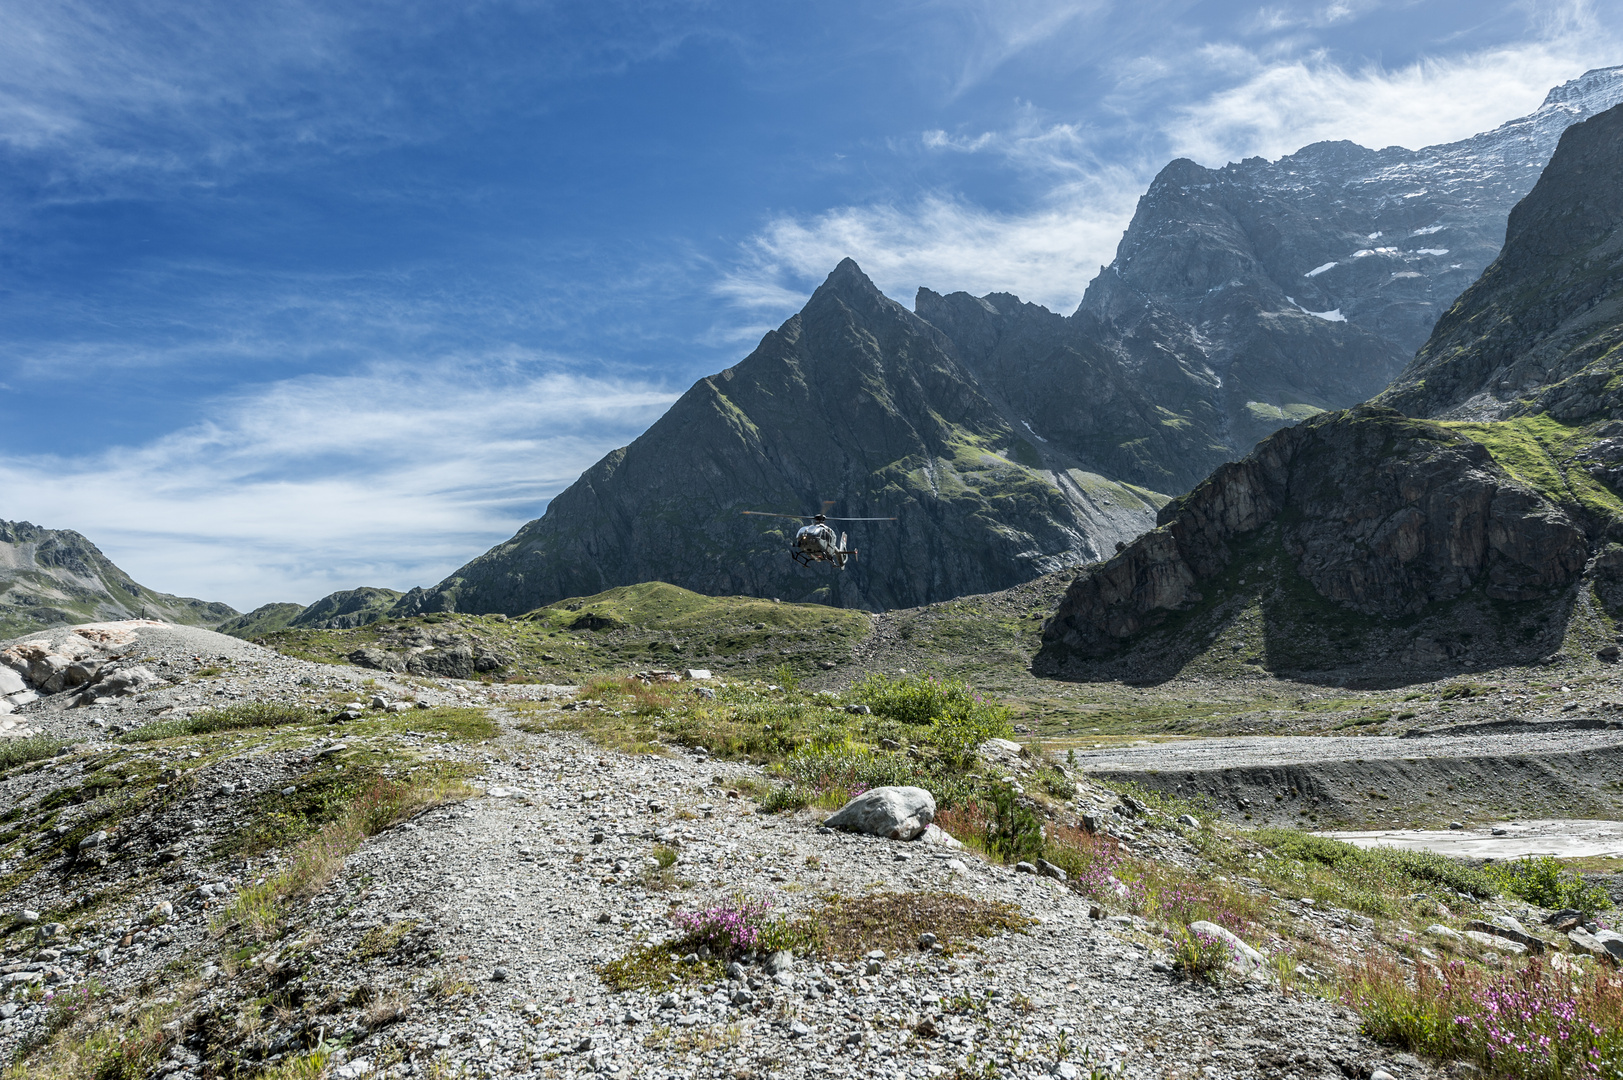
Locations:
(862, 519)
(763, 513)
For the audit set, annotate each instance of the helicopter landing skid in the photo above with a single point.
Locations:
(807, 560)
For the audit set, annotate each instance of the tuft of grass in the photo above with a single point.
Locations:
(649, 967)
(316, 860)
(14, 752)
(251, 714)
(381, 940)
(849, 926)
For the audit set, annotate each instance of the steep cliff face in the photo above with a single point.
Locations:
(1383, 517)
(1542, 331)
(855, 399)
(51, 577)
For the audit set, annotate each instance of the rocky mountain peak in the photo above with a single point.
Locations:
(1594, 91)
(1538, 332)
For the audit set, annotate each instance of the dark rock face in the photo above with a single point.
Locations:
(1377, 513)
(346, 609)
(855, 399)
(1541, 331)
(52, 577)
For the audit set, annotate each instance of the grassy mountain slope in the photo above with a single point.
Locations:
(49, 577)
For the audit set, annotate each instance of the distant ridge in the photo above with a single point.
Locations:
(52, 577)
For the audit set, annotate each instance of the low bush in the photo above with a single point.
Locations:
(959, 720)
(1197, 954)
(1542, 880)
(1380, 866)
(1014, 830)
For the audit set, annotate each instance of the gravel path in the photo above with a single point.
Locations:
(1247, 752)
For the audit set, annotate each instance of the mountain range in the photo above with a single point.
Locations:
(1478, 526)
(1010, 440)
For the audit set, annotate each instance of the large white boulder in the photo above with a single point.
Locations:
(11, 682)
(895, 813)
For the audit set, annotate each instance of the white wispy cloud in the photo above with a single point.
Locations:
(1046, 256)
(1279, 107)
(392, 476)
(1227, 101)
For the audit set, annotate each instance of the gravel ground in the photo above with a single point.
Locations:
(470, 938)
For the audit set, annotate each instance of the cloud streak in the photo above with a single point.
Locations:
(1256, 102)
(392, 476)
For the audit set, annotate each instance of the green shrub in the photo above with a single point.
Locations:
(1542, 880)
(34, 748)
(1014, 831)
(1379, 866)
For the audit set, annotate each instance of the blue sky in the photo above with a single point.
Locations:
(298, 296)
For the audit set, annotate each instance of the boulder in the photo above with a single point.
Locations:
(936, 836)
(1243, 959)
(1508, 928)
(1608, 943)
(11, 682)
(1494, 941)
(895, 813)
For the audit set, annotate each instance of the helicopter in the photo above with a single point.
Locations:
(815, 542)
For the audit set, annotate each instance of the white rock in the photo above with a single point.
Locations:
(11, 682)
(895, 813)
(1245, 959)
(1439, 930)
(698, 673)
(1603, 943)
(1494, 941)
(936, 836)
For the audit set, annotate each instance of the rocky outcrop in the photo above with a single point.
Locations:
(56, 577)
(89, 664)
(1375, 513)
(1542, 331)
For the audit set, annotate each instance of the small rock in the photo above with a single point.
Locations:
(798, 1030)
(926, 940)
(1189, 821)
(379, 702)
(1024, 868)
(1048, 869)
(290, 790)
(1245, 959)
(1456, 824)
(499, 975)
(735, 971)
(780, 961)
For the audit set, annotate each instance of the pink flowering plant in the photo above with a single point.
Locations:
(1198, 954)
(737, 926)
(1536, 1022)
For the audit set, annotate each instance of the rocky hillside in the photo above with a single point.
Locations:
(856, 400)
(1367, 540)
(51, 577)
(1542, 331)
(1355, 541)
